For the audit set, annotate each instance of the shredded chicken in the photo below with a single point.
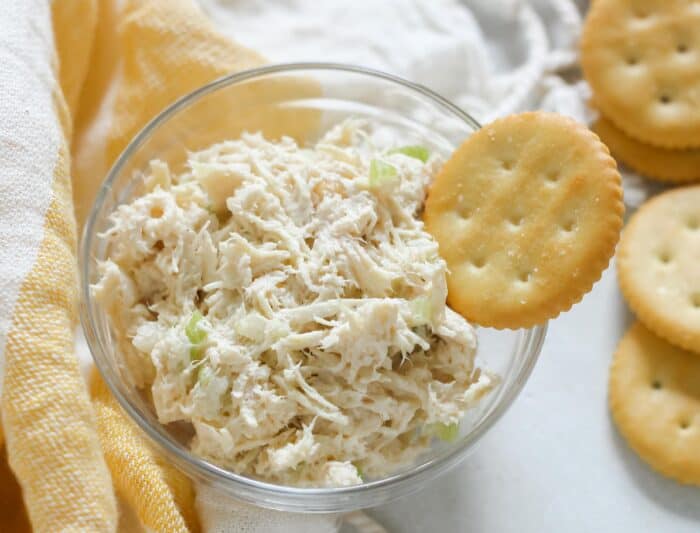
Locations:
(289, 305)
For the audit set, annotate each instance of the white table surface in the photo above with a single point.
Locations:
(555, 462)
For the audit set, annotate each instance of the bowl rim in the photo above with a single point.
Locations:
(273, 495)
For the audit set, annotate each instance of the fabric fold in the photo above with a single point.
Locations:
(59, 444)
(162, 497)
(47, 417)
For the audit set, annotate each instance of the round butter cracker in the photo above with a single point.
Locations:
(659, 266)
(642, 60)
(527, 213)
(660, 164)
(654, 397)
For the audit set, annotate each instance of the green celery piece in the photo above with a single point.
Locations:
(447, 432)
(195, 335)
(381, 172)
(415, 151)
(195, 353)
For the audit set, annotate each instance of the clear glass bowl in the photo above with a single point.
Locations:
(300, 100)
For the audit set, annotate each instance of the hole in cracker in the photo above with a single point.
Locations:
(695, 300)
(665, 99)
(664, 257)
(693, 223)
(479, 262)
(632, 61)
(656, 384)
(524, 277)
(684, 424)
(507, 165)
(682, 48)
(463, 212)
(552, 176)
(515, 221)
(568, 226)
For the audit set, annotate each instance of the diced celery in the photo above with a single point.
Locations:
(196, 352)
(196, 335)
(359, 472)
(447, 432)
(381, 172)
(414, 151)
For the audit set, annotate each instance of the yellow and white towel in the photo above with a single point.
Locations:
(78, 78)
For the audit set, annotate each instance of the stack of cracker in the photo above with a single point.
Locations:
(655, 376)
(642, 61)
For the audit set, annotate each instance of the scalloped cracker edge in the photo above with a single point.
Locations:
(640, 59)
(654, 399)
(527, 213)
(658, 261)
(661, 164)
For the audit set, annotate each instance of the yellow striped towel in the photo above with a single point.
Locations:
(78, 79)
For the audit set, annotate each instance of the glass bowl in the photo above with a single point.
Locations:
(299, 100)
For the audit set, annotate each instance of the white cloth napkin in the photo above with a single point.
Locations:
(491, 57)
